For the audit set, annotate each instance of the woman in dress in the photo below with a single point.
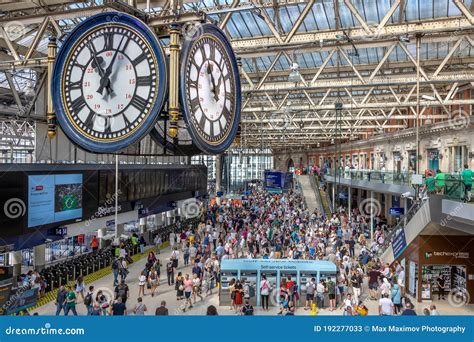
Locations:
(232, 293)
(239, 294)
(80, 286)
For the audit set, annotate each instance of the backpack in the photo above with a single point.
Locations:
(115, 264)
(88, 299)
(248, 310)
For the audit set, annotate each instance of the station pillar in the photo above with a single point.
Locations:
(16, 262)
(349, 201)
(218, 176)
(100, 234)
(119, 229)
(40, 257)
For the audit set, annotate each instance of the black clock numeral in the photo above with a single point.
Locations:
(143, 81)
(109, 40)
(127, 122)
(211, 130)
(226, 113)
(78, 104)
(202, 121)
(108, 124)
(212, 50)
(138, 102)
(226, 77)
(76, 64)
(221, 63)
(139, 59)
(90, 119)
(203, 52)
(194, 84)
(195, 104)
(74, 85)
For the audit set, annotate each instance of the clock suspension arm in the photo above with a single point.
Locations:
(51, 115)
(173, 108)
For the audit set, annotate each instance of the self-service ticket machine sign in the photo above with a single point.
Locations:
(274, 270)
(226, 277)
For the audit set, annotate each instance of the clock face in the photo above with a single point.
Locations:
(210, 90)
(111, 83)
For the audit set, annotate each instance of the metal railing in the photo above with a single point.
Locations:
(452, 187)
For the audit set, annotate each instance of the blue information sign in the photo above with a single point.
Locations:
(396, 211)
(399, 243)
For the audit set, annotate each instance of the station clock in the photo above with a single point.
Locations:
(210, 96)
(109, 82)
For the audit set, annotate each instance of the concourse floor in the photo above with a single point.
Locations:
(168, 293)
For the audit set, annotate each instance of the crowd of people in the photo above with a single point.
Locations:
(268, 226)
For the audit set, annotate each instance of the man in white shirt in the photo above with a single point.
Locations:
(386, 306)
(320, 288)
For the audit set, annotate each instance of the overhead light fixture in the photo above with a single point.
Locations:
(428, 98)
(405, 39)
(295, 75)
(318, 144)
(332, 141)
(341, 37)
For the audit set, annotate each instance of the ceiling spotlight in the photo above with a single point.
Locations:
(295, 75)
(405, 39)
(341, 37)
(332, 141)
(318, 144)
(428, 98)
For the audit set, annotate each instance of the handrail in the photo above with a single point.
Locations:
(317, 194)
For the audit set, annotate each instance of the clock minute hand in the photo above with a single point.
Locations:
(209, 71)
(104, 81)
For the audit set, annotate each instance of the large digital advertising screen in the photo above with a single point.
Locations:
(54, 198)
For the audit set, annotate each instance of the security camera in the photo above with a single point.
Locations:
(406, 194)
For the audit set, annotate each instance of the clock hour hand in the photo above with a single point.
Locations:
(209, 71)
(99, 67)
(104, 80)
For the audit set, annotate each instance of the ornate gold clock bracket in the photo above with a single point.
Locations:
(51, 115)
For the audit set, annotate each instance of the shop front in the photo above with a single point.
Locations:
(437, 260)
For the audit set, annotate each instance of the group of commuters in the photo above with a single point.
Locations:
(268, 226)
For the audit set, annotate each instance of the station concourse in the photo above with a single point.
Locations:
(236, 157)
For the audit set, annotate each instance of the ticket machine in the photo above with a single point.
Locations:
(276, 271)
(226, 277)
(250, 277)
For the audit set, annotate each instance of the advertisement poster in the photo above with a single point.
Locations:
(54, 198)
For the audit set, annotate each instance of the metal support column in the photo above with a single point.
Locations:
(51, 116)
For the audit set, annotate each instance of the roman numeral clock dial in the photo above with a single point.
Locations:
(210, 90)
(109, 82)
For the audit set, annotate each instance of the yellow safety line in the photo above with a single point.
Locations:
(90, 278)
